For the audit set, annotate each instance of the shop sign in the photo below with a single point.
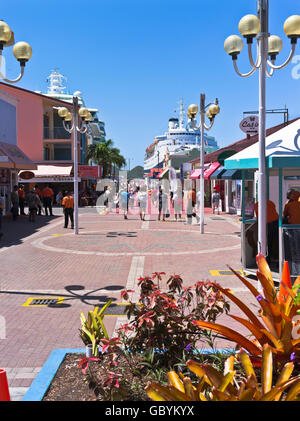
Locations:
(89, 171)
(250, 125)
(26, 175)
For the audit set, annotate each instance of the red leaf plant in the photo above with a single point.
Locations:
(163, 320)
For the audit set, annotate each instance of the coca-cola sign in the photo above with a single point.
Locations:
(250, 125)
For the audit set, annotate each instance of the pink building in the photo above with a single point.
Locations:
(30, 122)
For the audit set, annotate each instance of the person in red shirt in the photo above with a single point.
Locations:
(47, 194)
(68, 205)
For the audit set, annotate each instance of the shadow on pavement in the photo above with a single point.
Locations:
(86, 298)
(14, 232)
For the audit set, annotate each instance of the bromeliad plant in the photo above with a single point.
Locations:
(277, 312)
(214, 385)
(162, 322)
(92, 329)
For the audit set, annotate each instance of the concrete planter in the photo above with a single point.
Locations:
(43, 380)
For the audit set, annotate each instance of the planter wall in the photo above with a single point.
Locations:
(43, 380)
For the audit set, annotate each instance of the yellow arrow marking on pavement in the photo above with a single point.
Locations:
(42, 301)
(224, 272)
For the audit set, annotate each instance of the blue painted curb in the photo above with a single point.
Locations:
(43, 380)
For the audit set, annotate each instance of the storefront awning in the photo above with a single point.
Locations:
(51, 174)
(15, 158)
(163, 173)
(217, 175)
(282, 151)
(52, 170)
(209, 172)
(237, 175)
(196, 174)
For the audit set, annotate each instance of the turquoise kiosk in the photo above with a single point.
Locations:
(283, 173)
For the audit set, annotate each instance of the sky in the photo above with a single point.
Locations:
(135, 59)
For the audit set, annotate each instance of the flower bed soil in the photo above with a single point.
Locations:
(71, 384)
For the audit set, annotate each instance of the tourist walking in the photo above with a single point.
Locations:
(14, 198)
(216, 201)
(68, 205)
(162, 203)
(123, 200)
(177, 204)
(142, 197)
(21, 194)
(191, 203)
(48, 194)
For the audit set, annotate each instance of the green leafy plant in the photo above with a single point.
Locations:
(214, 385)
(92, 329)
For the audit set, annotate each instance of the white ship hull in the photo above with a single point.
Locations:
(177, 141)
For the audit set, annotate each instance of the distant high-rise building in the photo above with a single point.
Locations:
(57, 89)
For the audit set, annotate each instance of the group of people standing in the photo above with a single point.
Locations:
(160, 200)
(36, 199)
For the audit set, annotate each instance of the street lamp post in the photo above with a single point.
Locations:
(269, 46)
(213, 110)
(21, 50)
(76, 128)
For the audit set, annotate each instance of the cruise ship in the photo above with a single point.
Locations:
(178, 141)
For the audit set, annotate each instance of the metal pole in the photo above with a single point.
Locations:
(75, 120)
(262, 198)
(202, 116)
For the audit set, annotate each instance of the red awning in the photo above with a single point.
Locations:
(196, 174)
(209, 172)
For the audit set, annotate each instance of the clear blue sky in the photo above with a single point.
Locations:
(135, 59)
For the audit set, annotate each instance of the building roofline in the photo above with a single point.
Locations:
(212, 156)
(44, 96)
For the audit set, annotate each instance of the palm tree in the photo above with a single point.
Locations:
(105, 155)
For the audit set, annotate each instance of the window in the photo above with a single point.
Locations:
(62, 152)
(46, 154)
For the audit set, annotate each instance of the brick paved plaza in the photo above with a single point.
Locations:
(44, 261)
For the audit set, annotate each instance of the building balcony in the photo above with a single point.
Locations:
(56, 133)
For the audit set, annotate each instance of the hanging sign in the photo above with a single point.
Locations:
(26, 175)
(249, 125)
